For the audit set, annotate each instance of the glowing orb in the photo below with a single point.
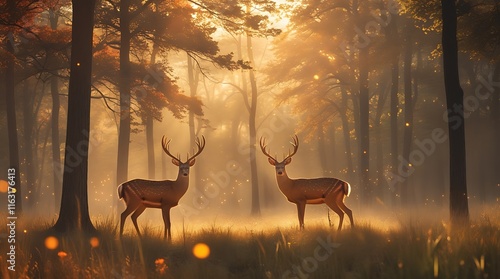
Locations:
(201, 251)
(4, 185)
(94, 242)
(51, 242)
(62, 254)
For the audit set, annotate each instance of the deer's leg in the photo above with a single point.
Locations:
(301, 209)
(166, 220)
(135, 215)
(131, 207)
(347, 211)
(333, 205)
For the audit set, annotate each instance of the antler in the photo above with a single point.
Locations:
(263, 148)
(295, 145)
(165, 145)
(200, 145)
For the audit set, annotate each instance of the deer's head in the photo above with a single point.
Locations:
(280, 166)
(176, 160)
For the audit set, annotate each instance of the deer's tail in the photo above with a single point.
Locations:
(347, 189)
(120, 191)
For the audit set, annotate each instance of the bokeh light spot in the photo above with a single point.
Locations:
(94, 242)
(51, 242)
(4, 186)
(201, 251)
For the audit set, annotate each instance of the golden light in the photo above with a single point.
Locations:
(94, 242)
(4, 186)
(51, 242)
(161, 266)
(407, 124)
(201, 251)
(62, 254)
(316, 77)
(77, 63)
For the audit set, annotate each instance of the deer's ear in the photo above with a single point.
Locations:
(271, 161)
(175, 162)
(191, 163)
(288, 161)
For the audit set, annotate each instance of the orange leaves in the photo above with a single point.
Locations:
(51, 37)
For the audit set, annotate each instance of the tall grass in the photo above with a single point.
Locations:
(410, 251)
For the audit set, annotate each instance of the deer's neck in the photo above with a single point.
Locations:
(182, 181)
(284, 183)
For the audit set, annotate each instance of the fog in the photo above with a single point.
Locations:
(307, 82)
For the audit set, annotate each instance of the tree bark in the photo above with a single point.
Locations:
(459, 207)
(149, 126)
(253, 132)
(406, 192)
(74, 212)
(394, 106)
(54, 119)
(364, 110)
(346, 134)
(124, 87)
(193, 78)
(29, 157)
(11, 113)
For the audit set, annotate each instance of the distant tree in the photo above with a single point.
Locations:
(459, 208)
(74, 211)
(15, 16)
(334, 79)
(166, 26)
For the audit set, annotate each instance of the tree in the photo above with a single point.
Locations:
(74, 212)
(14, 16)
(459, 208)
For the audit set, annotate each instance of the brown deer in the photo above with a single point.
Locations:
(140, 194)
(331, 191)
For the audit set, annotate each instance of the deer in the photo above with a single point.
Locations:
(140, 194)
(331, 191)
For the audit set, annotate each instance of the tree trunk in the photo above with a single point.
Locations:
(406, 192)
(459, 207)
(149, 126)
(347, 136)
(364, 110)
(379, 151)
(253, 132)
(29, 158)
(124, 87)
(193, 78)
(56, 152)
(394, 107)
(495, 126)
(11, 114)
(74, 212)
(322, 152)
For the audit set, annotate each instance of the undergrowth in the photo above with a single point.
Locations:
(410, 251)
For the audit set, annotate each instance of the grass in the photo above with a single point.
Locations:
(409, 251)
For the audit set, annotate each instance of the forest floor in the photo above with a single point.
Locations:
(405, 250)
